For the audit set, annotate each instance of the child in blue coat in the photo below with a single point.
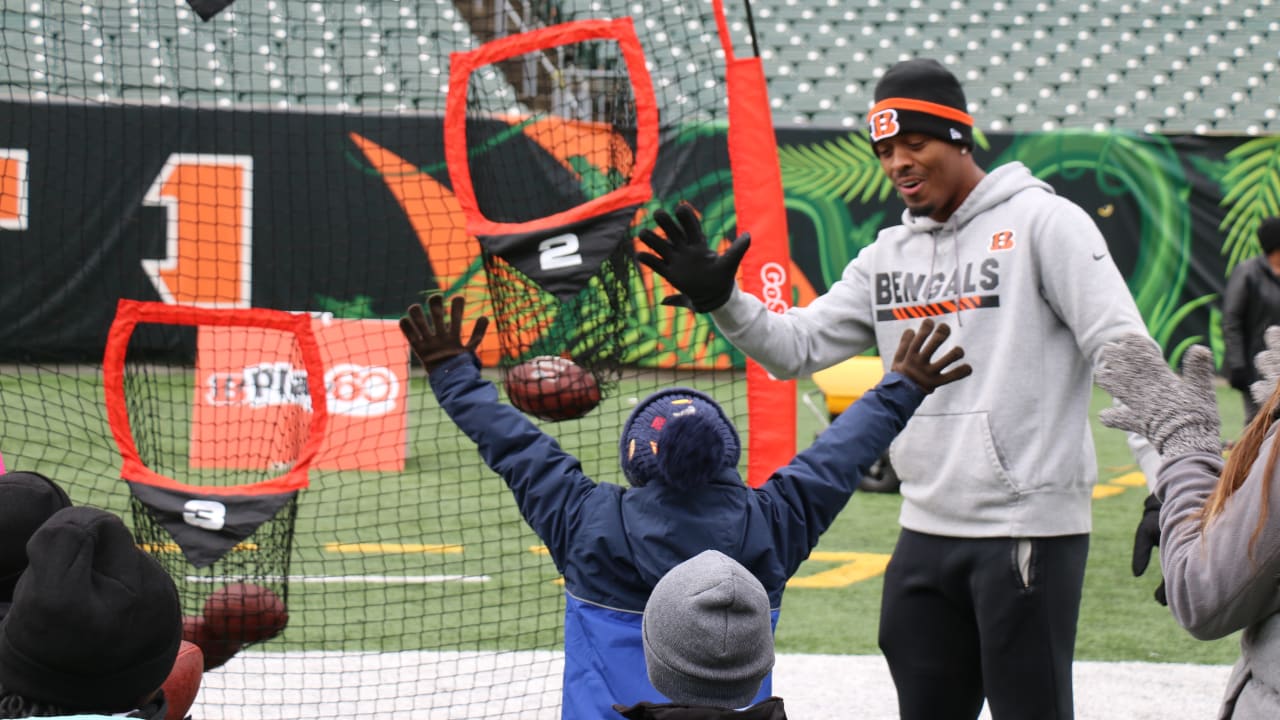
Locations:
(679, 452)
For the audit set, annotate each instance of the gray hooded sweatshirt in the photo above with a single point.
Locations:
(1029, 288)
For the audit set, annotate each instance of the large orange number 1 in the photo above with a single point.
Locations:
(208, 230)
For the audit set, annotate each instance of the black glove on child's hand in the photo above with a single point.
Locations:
(1145, 540)
(1178, 414)
(915, 350)
(705, 280)
(434, 342)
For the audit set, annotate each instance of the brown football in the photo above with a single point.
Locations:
(552, 388)
(216, 649)
(183, 683)
(245, 613)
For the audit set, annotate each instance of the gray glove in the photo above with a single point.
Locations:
(1267, 363)
(1179, 415)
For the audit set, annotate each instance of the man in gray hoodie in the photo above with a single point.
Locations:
(982, 595)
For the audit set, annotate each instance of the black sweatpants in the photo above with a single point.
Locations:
(966, 618)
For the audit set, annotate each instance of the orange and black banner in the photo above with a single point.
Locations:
(354, 214)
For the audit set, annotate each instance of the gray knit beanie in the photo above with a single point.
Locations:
(708, 635)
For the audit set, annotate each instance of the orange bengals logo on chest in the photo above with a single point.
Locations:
(1002, 240)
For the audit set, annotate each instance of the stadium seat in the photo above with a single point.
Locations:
(1019, 50)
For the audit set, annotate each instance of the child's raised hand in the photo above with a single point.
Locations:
(913, 359)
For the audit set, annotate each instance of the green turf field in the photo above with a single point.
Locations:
(1119, 620)
(479, 582)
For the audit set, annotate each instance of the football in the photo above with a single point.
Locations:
(552, 388)
(216, 649)
(245, 613)
(183, 683)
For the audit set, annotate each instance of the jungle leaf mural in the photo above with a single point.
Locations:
(843, 168)
(1251, 188)
(1148, 169)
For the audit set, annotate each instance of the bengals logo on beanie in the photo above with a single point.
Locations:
(920, 96)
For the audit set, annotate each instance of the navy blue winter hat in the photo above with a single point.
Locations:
(677, 436)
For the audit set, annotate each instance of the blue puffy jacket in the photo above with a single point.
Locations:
(613, 543)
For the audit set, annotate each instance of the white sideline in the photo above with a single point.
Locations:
(859, 686)
(462, 686)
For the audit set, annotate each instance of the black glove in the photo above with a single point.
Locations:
(1146, 538)
(435, 342)
(914, 357)
(705, 280)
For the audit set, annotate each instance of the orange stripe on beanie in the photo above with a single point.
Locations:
(920, 96)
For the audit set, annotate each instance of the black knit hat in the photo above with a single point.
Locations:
(95, 623)
(920, 96)
(1269, 235)
(27, 499)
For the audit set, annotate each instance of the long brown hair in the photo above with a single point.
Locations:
(1240, 461)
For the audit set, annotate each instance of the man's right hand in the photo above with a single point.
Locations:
(913, 359)
(705, 280)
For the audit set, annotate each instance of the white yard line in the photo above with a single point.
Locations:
(461, 686)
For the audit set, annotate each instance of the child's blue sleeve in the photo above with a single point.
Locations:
(548, 483)
(804, 497)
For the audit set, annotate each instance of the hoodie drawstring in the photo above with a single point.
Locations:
(955, 246)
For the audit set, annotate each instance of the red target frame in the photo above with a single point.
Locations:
(131, 312)
(463, 64)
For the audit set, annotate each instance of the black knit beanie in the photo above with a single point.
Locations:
(95, 623)
(920, 96)
(1269, 235)
(27, 499)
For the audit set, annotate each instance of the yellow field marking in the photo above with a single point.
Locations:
(171, 548)
(855, 567)
(1105, 491)
(1132, 479)
(1119, 468)
(351, 579)
(542, 550)
(402, 548)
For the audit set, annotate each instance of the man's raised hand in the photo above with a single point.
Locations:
(704, 279)
(433, 340)
(913, 359)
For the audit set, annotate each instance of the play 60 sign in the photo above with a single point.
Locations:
(247, 374)
(350, 388)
